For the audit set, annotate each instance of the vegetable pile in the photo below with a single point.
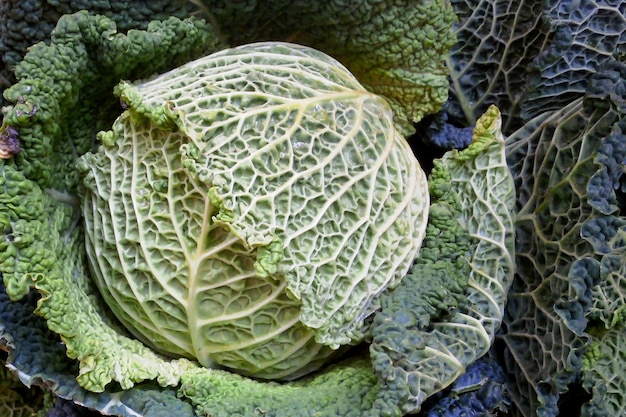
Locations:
(216, 208)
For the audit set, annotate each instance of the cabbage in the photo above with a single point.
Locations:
(248, 208)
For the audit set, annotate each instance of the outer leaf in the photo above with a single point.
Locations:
(42, 244)
(587, 34)
(39, 359)
(497, 42)
(415, 357)
(604, 374)
(552, 291)
(529, 56)
(25, 23)
(284, 188)
(347, 389)
(568, 167)
(43, 247)
(64, 94)
(395, 49)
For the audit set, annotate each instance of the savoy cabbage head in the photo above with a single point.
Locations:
(248, 209)
(286, 131)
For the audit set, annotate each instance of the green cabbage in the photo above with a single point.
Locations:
(240, 193)
(428, 329)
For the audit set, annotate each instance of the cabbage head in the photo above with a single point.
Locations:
(247, 209)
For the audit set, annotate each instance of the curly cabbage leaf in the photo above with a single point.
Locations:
(604, 367)
(586, 35)
(568, 166)
(25, 23)
(395, 49)
(437, 132)
(529, 56)
(57, 105)
(497, 40)
(64, 97)
(39, 359)
(444, 314)
(238, 194)
(43, 247)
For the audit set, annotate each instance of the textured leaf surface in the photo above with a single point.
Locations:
(444, 314)
(284, 188)
(529, 56)
(395, 49)
(347, 389)
(587, 34)
(42, 242)
(568, 167)
(43, 248)
(497, 40)
(63, 96)
(38, 357)
(25, 23)
(604, 374)
(409, 362)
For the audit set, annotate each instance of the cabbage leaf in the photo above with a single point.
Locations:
(604, 366)
(417, 351)
(568, 168)
(57, 115)
(395, 49)
(529, 56)
(585, 35)
(497, 40)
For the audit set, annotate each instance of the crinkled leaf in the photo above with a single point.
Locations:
(552, 290)
(438, 133)
(530, 56)
(587, 34)
(64, 93)
(397, 330)
(395, 49)
(57, 107)
(17, 400)
(347, 389)
(426, 334)
(568, 167)
(25, 23)
(497, 42)
(39, 358)
(43, 247)
(604, 374)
